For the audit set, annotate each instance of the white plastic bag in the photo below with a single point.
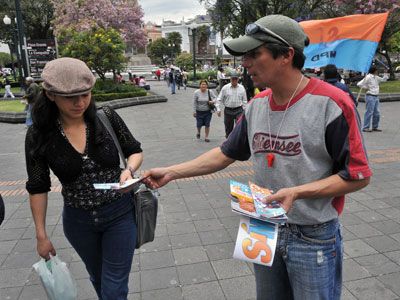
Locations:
(56, 279)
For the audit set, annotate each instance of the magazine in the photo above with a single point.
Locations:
(241, 203)
(256, 241)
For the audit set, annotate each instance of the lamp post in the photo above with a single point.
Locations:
(172, 46)
(7, 21)
(21, 38)
(192, 32)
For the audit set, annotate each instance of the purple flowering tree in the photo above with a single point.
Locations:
(125, 16)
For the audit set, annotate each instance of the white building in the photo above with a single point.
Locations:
(206, 50)
(4, 48)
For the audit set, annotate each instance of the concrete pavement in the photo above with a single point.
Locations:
(191, 257)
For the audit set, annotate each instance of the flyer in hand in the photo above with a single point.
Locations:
(117, 185)
(246, 200)
(256, 241)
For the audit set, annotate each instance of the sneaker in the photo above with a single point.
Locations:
(367, 130)
(377, 129)
(207, 140)
(198, 135)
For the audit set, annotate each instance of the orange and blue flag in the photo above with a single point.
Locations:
(348, 42)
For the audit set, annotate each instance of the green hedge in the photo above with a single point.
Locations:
(113, 96)
(203, 75)
(109, 86)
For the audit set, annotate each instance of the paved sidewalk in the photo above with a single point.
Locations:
(191, 257)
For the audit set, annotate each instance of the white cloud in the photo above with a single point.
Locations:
(157, 10)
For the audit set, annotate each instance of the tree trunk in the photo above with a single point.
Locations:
(389, 62)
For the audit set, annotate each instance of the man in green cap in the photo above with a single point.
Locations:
(305, 141)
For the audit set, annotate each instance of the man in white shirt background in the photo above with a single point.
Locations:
(371, 84)
(233, 97)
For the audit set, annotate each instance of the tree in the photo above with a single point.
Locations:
(185, 60)
(124, 16)
(158, 51)
(175, 38)
(230, 17)
(102, 49)
(37, 16)
(5, 59)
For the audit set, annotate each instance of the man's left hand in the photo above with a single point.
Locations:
(285, 197)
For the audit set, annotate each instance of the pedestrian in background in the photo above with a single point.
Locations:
(371, 84)
(203, 100)
(68, 138)
(234, 98)
(332, 76)
(172, 80)
(30, 96)
(7, 87)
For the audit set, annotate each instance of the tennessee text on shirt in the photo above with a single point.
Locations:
(284, 145)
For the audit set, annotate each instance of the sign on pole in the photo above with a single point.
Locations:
(39, 53)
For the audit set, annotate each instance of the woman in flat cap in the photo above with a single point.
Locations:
(68, 138)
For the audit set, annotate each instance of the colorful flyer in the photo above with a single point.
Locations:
(256, 241)
(267, 210)
(240, 191)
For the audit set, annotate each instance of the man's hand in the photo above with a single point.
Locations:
(194, 114)
(285, 197)
(45, 248)
(158, 177)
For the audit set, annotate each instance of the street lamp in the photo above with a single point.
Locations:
(21, 38)
(7, 21)
(172, 47)
(192, 32)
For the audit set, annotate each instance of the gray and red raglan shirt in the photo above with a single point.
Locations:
(320, 136)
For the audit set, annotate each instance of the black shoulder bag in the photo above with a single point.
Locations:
(144, 200)
(211, 104)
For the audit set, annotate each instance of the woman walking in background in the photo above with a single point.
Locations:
(203, 101)
(68, 138)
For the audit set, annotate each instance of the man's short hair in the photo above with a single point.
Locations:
(330, 72)
(372, 70)
(281, 50)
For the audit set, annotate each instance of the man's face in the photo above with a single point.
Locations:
(234, 81)
(262, 67)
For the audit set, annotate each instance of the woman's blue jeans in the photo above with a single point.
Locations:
(307, 264)
(105, 239)
(372, 112)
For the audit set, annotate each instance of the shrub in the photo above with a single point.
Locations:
(109, 86)
(113, 96)
(204, 75)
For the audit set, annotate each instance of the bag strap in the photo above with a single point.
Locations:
(209, 96)
(106, 122)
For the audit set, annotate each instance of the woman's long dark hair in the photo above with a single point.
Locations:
(44, 115)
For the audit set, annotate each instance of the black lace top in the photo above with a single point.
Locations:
(77, 172)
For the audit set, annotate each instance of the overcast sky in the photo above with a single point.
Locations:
(156, 10)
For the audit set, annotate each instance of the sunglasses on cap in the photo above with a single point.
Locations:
(254, 28)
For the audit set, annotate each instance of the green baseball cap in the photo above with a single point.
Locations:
(270, 29)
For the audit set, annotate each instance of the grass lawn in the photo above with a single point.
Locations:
(384, 87)
(13, 89)
(11, 106)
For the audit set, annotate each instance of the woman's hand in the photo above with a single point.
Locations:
(45, 248)
(194, 114)
(125, 175)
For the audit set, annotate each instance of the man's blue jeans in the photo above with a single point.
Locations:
(372, 111)
(172, 85)
(307, 264)
(105, 240)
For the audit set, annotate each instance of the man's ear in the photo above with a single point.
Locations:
(288, 56)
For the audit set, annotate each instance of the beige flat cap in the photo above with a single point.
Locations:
(67, 76)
